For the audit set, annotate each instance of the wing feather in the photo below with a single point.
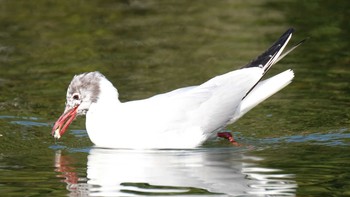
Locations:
(208, 106)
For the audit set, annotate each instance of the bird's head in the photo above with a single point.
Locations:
(83, 90)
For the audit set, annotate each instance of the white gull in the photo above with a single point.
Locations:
(183, 118)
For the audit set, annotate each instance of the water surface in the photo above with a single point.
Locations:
(295, 144)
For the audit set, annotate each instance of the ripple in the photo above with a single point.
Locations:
(24, 121)
(337, 138)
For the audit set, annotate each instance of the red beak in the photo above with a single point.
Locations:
(63, 122)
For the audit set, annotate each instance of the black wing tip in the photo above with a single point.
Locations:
(286, 34)
(290, 30)
(262, 59)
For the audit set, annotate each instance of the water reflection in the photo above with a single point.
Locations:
(219, 172)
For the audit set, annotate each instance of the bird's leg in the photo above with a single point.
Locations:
(229, 137)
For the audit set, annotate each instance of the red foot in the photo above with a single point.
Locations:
(228, 136)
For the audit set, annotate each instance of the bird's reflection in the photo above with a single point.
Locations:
(174, 172)
(63, 165)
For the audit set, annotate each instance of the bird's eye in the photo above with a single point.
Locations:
(76, 97)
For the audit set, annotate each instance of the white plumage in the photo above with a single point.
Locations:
(183, 118)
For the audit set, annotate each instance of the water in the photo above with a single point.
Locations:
(295, 144)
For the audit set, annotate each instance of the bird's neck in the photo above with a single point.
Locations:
(102, 114)
(108, 94)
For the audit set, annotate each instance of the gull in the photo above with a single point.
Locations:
(179, 119)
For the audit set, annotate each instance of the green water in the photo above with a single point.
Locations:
(297, 143)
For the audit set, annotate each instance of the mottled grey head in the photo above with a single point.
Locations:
(84, 90)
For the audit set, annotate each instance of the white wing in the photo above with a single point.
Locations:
(208, 106)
